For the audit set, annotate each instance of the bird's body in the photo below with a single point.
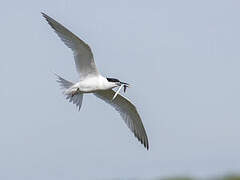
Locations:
(92, 84)
(91, 81)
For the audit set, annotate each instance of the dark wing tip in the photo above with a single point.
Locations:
(48, 18)
(44, 15)
(144, 140)
(54, 24)
(146, 146)
(145, 143)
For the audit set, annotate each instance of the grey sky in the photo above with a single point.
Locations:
(181, 58)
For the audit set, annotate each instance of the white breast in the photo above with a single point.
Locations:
(93, 84)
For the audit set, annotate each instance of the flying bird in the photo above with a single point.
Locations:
(91, 81)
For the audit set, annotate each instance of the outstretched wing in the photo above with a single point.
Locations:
(83, 56)
(128, 112)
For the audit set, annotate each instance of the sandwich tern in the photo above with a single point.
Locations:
(91, 81)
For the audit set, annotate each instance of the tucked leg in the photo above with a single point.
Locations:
(75, 92)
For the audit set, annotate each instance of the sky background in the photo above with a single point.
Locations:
(182, 59)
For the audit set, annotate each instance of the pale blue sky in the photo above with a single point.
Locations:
(182, 60)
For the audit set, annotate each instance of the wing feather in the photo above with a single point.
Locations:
(83, 55)
(128, 112)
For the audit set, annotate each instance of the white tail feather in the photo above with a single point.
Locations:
(66, 85)
(63, 82)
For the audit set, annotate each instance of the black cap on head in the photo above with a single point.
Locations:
(113, 80)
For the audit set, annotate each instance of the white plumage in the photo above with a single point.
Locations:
(91, 81)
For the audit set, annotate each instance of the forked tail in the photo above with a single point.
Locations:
(66, 85)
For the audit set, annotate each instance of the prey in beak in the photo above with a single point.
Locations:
(122, 84)
(125, 85)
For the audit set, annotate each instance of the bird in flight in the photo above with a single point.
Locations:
(91, 81)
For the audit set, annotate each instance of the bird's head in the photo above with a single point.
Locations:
(118, 83)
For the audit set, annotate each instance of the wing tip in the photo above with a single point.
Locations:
(145, 143)
(146, 146)
(44, 15)
(50, 20)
